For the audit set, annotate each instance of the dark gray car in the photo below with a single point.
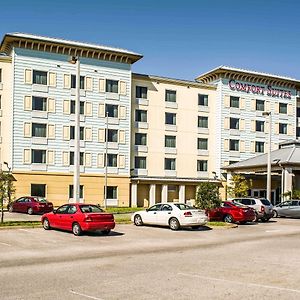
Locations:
(288, 209)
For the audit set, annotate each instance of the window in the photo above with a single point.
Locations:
(170, 96)
(38, 156)
(112, 86)
(234, 123)
(233, 162)
(260, 126)
(234, 145)
(203, 100)
(72, 108)
(259, 147)
(39, 77)
(72, 133)
(170, 164)
(0, 75)
(112, 160)
(282, 108)
(73, 82)
(140, 162)
(202, 122)
(112, 136)
(234, 101)
(202, 165)
(155, 207)
(39, 103)
(170, 118)
(141, 92)
(166, 207)
(38, 190)
(140, 115)
(298, 132)
(39, 130)
(170, 141)
(112, 192)
(202, 144)
(71, 191)
(141, 139)
(0, 102)
(111, 110)
(260, 105)
(72, 158)
(282, 128)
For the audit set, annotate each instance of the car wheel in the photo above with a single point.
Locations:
(228, 219)
(174, 224)
(46, 224)
(275, 214)
(10, 208)
(256, 217)
(106, 232)
(138, 220)
(76, 229)
(30, 211)
(196, 227)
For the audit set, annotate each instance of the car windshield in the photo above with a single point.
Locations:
(182, 206)
(40, 199)
(90, 209)
(265, 202)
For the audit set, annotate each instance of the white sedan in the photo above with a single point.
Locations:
(174, 215)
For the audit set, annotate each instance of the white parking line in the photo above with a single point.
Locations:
(84, 295)
(241, 283)
(21, 229)
(274, 230)
(5, 244)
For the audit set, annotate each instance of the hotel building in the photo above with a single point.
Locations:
(164, 135)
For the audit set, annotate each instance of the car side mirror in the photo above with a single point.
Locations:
(147, 209)
(54, 211)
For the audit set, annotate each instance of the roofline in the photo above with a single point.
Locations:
(249, 72)
(174, 81)
(10, 38)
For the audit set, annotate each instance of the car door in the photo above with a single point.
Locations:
(163, 215)
(284, 209)
(150, 215)
(293, 209)
(59, 215)
(17, 206)
(69, 217)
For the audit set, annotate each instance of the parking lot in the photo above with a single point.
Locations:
(258, 261)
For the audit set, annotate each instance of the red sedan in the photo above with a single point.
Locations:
(79, 217)
(31, 205)
(232, 212)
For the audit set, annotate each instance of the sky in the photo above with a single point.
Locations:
(178, 39)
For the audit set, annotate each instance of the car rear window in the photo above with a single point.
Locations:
(43, 200)
(265, 202)
(90, 209)
(182, 206)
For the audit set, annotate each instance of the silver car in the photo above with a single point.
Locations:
(288, 209)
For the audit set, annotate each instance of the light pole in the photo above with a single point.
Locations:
(8, 182)
(268, 114)
(106, 162)
(76, 176)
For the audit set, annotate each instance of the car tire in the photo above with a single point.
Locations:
(10, 208)
(138, 220)
(46, 224)
(106, 232)
(76, 229)
(174, 224)
(275, 214)
(256, 217)
(196, 227)
(30, 211)
(228, 219)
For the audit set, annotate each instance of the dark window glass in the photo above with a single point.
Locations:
(260, 126)
(141, 92)
(39, 77)
(202, 165)
(170, 164)
(234, 145)
(155, 207)
(260, 105)
(141, 139)
(112, 86)
(72, 133)
(202, 122)
(111, 110)
(282, 108)
(39, 130)
(72, 158)
(170, 118)
(140, 115)
(259, 147)
(38, 156)
(202, 144)
(140, 162)
(170, 141)
(234, 101)
(73, 82)
(203, 100)
(112, 160)
(39, 103)
(72, 110)
(234, 123)
(90, 208)
(71, 191)
(112, 135)
(282, 128)
(38, 190)
(112, 192)
(170, 96)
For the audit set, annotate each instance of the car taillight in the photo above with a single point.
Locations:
(187, 214)
(262, 209)
(88, 219)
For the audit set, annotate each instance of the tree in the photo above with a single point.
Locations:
(239, 186)
(207, 195)
(6, 190)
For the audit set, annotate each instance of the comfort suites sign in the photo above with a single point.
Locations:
(259, 89)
